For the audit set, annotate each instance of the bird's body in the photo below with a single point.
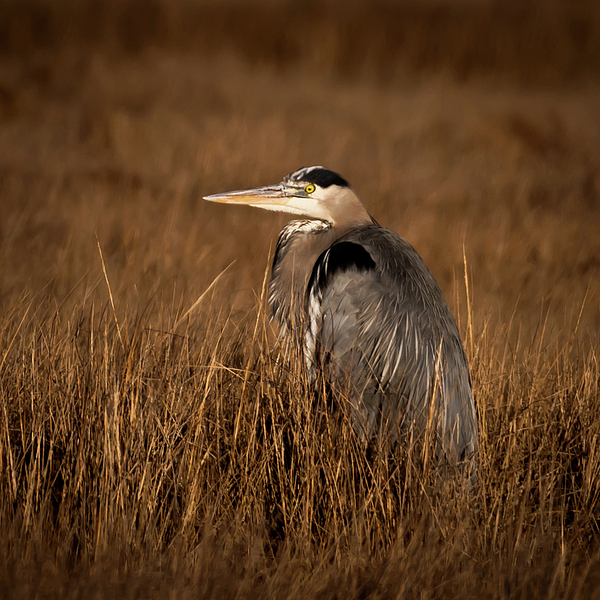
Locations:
(363, 306)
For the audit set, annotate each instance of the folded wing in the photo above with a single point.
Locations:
(378, 323)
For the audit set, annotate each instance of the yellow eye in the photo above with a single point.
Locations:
(310, 188)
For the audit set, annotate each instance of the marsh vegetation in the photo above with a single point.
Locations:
(150, 450)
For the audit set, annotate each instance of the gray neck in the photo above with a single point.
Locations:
(299, 246)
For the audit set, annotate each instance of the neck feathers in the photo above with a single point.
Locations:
(300, 244)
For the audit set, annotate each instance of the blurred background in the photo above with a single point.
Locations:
(470, 127)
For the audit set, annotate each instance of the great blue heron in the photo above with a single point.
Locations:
(360, 299)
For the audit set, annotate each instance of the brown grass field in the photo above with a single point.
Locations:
(153, 443)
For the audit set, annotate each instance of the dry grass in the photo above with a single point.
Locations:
(143, 454)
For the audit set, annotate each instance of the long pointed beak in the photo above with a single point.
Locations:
(262, 197)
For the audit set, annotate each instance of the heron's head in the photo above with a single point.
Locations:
(313, 192)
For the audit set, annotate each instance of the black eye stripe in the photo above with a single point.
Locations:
(318, 175)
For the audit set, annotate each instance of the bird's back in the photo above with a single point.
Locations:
(377, 320)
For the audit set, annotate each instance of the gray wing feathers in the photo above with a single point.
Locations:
(389, 338)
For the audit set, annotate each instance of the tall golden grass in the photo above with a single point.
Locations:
(142, 459)
(154, 442)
